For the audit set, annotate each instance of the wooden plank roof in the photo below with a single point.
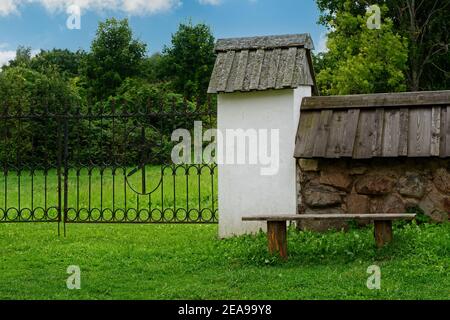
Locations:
(266, 42)
(262, 63)
(415, 124)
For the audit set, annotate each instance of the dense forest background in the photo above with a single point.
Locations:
(409, 52)
(164, 92)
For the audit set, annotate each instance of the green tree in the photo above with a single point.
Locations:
(189, 61)
(23, 58)
(361, 60)
(139, 97)
(25, 91)
(426, 25)
(66, 62)
(152, 68)
(115, 55)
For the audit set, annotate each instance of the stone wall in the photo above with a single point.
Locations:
(373, 186)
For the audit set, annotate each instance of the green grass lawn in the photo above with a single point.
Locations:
(189, 262)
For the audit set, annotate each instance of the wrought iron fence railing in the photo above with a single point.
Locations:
(103, 164)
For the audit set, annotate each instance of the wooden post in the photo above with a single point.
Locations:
(383, 233)
(277, 237)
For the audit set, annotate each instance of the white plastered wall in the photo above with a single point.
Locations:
(243, 191)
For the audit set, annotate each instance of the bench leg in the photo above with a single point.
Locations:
(277, 237)
(383, 233)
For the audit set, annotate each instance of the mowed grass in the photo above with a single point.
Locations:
(190, 262)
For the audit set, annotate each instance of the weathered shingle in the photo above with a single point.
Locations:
(262, 63)
(266, 42)
(415, 124)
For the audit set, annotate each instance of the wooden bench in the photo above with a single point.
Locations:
(277, 236)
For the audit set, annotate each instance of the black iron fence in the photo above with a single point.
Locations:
(103, 164)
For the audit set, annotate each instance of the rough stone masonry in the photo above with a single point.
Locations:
(373, 186)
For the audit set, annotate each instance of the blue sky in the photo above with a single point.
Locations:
(41, 24)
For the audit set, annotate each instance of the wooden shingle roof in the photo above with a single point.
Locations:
(262, 63)
(415, 124)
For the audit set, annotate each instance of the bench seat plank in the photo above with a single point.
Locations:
(350, 216)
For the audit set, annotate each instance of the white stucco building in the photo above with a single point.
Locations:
(260, 83)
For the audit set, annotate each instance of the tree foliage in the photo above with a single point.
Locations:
(22, 58)
(424, 23)
(189, 61)
(152, 68)
(115, 55)
(115, 76)
(23, 88)
(361, 60)
(65, 62)
(25, 91)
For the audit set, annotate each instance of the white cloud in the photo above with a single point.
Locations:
(152, 6)
(210, 2)
(8, 6)
(218, 2)
(5, 56)
(135, 7)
